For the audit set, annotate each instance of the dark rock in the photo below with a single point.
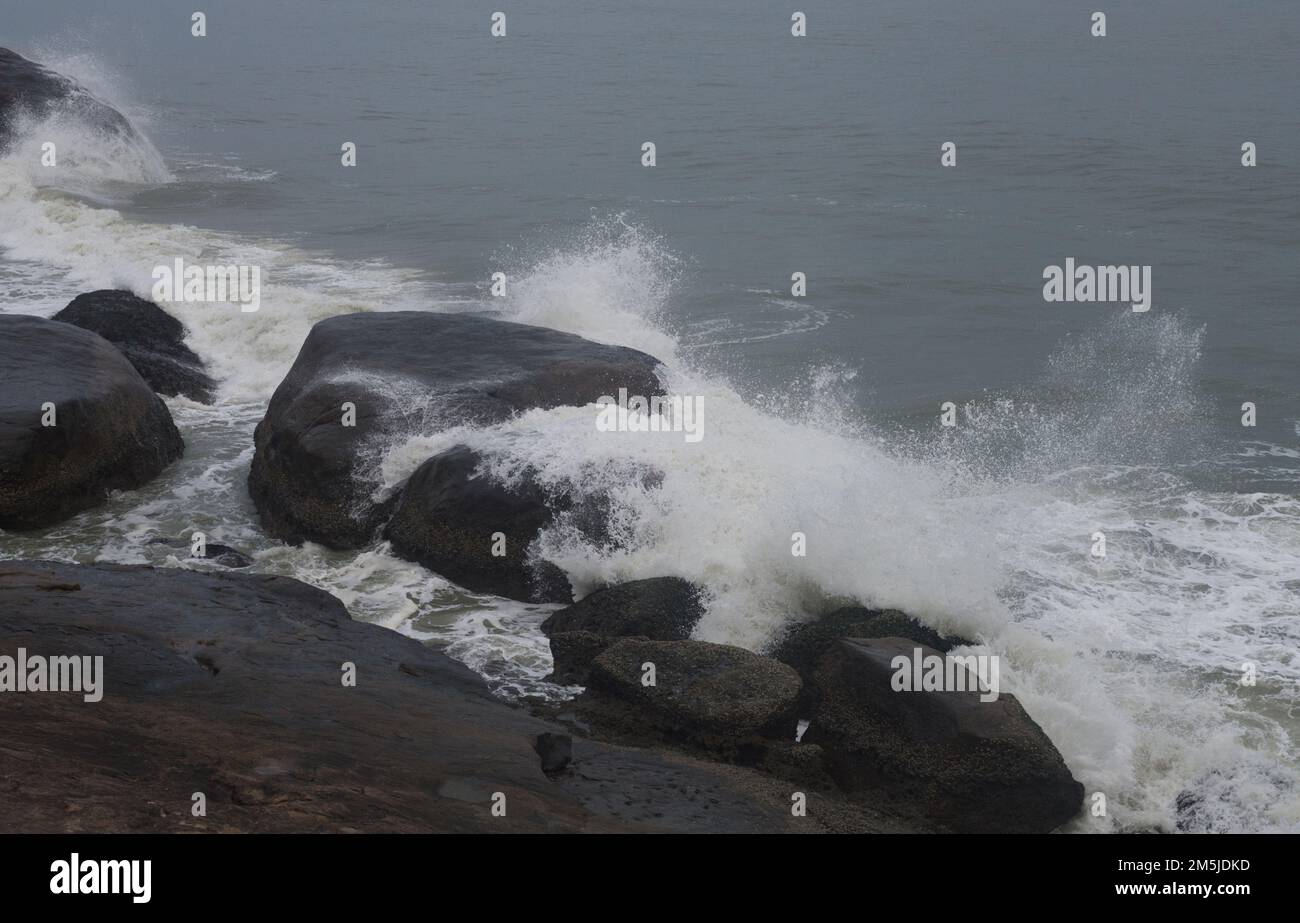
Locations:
(446, 520)
(1188, 808)
(112, 432)
(227, 557)
(713, 695)
(969, 765)
(1214, 801)
(150, 338)
(807, 643)
(28, 88)
(636, 787)
(449, 512)
(801, 763)
(658, 608)
(408, 371)
(556, 751)
(229, 684)
(214, 552)
(572, 653)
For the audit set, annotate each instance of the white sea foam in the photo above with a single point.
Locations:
(92, 247)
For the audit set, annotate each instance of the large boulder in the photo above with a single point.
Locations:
(658, 608)
(232, 685)
(454, 518)
(403, 372)
(713, 695)
(28, 88)
(970, 765)
(151, 339)
(110, 432)
(448, 519)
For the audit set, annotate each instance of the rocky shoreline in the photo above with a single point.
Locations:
(263, 696)
(229, 685)
(236, 701)
(232, 684)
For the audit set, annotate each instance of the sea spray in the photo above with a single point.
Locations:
(608, 281)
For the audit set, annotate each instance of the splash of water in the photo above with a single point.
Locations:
(1129, 663)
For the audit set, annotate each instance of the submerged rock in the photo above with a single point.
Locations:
(217, 553)
(404, 372)
(150, 338)
(29, 88)
(109, 432)
(231, 685)
(970, 765)
(449, 519)
(227, 557)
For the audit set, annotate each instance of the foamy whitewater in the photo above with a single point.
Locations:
(1128, 662)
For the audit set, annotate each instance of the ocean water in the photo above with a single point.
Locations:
(775, 155)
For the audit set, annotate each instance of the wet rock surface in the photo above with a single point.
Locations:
(230, 684)
(110, 431)
(657, 608)
(405, 371)
(453, 520)
(151, 339)
(29, 89)
(962, 762)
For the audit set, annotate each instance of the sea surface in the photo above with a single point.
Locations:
(775, 155)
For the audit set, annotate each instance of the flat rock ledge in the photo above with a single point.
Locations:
(231, 685)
